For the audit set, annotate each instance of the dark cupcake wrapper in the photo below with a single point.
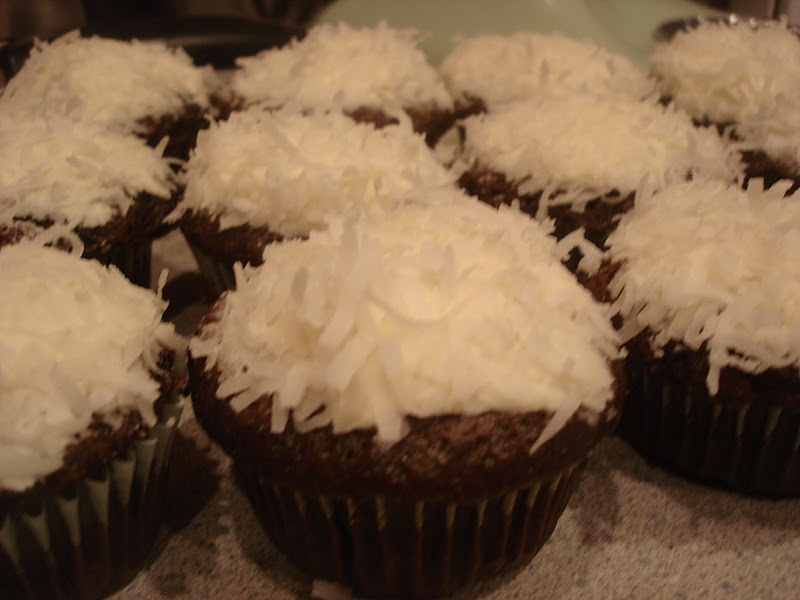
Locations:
(397, 547)
(752, 448)
(219, 273)
(89, 539)
(134, 260)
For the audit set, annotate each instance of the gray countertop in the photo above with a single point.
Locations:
(630, 531)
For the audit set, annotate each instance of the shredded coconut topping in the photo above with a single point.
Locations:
(339, 66)
(76, 173)
(583, 142)
(290, 169)
(75, 338)
(108, 81)
(738, 73)
(708, 263)
(420, 312)
(505, 68)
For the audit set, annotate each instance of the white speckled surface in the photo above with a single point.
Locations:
(631, 531)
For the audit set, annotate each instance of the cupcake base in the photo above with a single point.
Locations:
(88, 540)
(387, 547)
(751, 447)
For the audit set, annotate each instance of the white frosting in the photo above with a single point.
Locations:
(290, 170)
(336, 65)
(595, 144)
(705, 262)
(77, 173)
(75, 338)
(506, 68)
(420, 312)
(108, 81)
(738, 73)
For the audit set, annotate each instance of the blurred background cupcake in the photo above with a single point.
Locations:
(579, 157)
(144, 87)
(374, 74)
(111, 188)
(739, 76)
(264, 175)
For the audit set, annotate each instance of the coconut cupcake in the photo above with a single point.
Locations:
(707, 276)
(135, 86)
(743, 77)
(408, 396)
(111, 188)
(90, 406)
(578, 158)
(375, 74)
(265, 175)
(496, 69)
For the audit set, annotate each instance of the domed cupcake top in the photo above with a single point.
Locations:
(595, 144)
(504, 68)
(289, 169)
(421, 312)
(705, 262)
(336, 65)
(737, 74)
(108, 81)
(76, 338)
(77, 173)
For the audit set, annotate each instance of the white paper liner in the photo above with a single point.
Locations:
(88, 540)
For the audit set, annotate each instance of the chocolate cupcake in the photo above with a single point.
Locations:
(135, 86)
(579, 158)
(264, 175)
(408, 397)
(707, 289)
(375, 74)
(743, 77)
(111, 188)
(90, 406)
(493, 70)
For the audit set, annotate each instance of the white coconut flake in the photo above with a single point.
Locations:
(506, 68)
(339, 66)
(461, 309)
(290, 169)
(61, 361)
(741, 74)
(592, 145)
(74, 173)
(111, 82)
(705, 262)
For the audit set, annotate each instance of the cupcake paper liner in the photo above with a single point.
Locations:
(397, 547)
(753, 448)
(134, 261)
(89, 539)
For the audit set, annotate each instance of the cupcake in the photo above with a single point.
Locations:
(742, 77)
(496, 69)
(375, 74)
(707, 288)
(135, 86)
(111, 188)
(90, 407)
(264, 175)
(407, 397)
(579, 158)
